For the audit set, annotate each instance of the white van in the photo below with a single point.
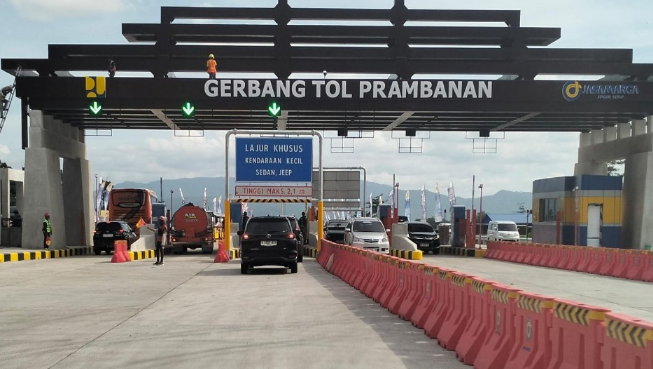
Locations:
(499, 230)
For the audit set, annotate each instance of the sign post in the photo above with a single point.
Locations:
(276, 160)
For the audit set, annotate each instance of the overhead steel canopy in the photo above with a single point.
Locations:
(411, 44)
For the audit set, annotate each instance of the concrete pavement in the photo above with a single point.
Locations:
(624, 296)
(86, 312)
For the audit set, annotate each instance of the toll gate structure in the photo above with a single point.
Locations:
(430, 83)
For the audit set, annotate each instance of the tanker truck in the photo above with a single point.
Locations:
(192, 228)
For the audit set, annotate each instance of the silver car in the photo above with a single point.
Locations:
(368, 234)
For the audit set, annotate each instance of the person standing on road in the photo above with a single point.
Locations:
(161, 230)
(112, 69)
(47, 231)
(302, 227)
(211, 67)
(245, 218)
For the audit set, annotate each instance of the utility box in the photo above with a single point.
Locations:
(458, 226)
(443, 232)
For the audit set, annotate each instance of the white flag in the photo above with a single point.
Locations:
(407, 206)
(215, 205)
(438, 205)
(204, 198)
(371, 205)
(391, 198)
(452, 194)
(423, 203)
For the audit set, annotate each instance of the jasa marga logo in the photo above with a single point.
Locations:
(572, 91)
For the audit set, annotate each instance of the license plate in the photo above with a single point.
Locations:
(107, 235)
(424, 245)
(268, 243)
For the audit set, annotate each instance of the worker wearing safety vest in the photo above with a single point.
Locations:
(47, 231)
(211, 67)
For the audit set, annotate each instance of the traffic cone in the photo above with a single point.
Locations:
(221, 256)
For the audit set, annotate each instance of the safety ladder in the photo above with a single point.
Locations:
(4, 112)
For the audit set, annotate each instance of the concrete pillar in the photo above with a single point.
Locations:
(649, 124)
(597, 136)
(75, 211)
(19, 197)
(42, 188)
(638, 201)
(5, 194)
(585, 139)
(623, 130)
(610, 134)
(639, 127)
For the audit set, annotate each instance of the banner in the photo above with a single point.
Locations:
(204, 198)
(391, 198)
(407, 206)
(423, 203)
(452, 194)
(181, 193)
(219, 205)
(215, 205)
(438, 205)
(371, 208)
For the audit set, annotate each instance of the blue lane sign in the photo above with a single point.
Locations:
(274, 159)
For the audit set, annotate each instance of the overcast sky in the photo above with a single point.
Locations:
(30, 25)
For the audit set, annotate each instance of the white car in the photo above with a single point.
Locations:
(498, 230)
(368, 234)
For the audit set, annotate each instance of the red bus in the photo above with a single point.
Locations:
(131, 204)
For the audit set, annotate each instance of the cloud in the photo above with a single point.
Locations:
(47, 9)
(4, 150)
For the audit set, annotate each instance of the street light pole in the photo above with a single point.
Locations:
(480, 216)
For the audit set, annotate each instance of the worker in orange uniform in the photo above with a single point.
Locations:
(211, 67)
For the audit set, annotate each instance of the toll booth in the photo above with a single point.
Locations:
(236, 214)
(458, 226)
(384, 215)
(158, 210)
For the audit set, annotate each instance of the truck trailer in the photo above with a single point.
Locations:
(192, 228)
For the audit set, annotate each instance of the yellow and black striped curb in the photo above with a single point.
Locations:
(462, 251)
(234, 254)
(629, 333)
(577, 314)
(310, 252)
(481, 287)
(49, 254)
(460, 280)
(140, 255)
(503, 296)
(534, 304)
(292, 201)
(406, 254)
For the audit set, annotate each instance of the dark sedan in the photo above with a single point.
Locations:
(424, 236)
(268, 241)
(107, 232)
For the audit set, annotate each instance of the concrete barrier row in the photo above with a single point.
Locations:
(621, 263)
(234, 254)
(490, 325)
(462, 251)
(310, 252)
(49, 254)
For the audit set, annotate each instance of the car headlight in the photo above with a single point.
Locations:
(358, 239)
(384, 239)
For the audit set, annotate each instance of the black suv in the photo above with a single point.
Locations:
(424, 236)
(334, 230)
(299, 236)
(107, 232)
(268, 241)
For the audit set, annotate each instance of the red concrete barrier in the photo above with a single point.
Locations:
(429, 299)
(597, 259)
(529, 254)
(392, 282)
(546, 254)
(639, 262)
(556, 256)
(647, 275)
(495, 352)
(622, 264)
(120, 254)
(538, 252)
(441, 308)
(609, 261)
(573, 260)
(492, 248)
(586, 258)
(458, 313)
(523, 253)
(385, 278)
(515, 251)
(532, 347)
(577, 332)
(375, 279)
(403, 286)
(478, 326)
(365, 271)
(628, 343)
(502, 250)
(416, 291)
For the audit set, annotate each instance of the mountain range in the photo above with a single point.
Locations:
(502, 202)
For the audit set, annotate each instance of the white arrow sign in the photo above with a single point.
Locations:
(188, 109)
(274, 109)
(95, 108)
